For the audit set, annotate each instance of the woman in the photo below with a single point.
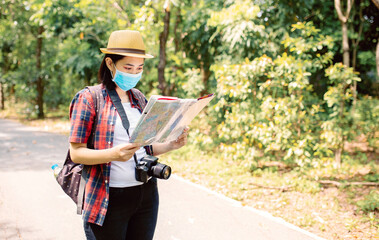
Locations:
(116, 205)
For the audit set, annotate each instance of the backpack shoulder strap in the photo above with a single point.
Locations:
(98, 100)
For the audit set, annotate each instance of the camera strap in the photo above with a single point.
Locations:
(120, 109)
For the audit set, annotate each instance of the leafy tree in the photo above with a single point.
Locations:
(240, 31)
(13, 15)
(366, 119)
(42, 20)
(268, 104)
(163, 36)
(80, 51)
(200, 44)
(338, 127)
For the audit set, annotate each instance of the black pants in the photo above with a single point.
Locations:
(132, 213)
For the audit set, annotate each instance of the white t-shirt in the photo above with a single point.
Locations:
(123, 173)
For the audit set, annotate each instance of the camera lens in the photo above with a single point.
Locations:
(166, 172)
(161, 171)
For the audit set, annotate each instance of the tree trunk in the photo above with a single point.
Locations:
(339, 150)
(163, 36)
(354, 57)
(177, 40)
(206, 73)
(376, 2)
(343, 19)
(177, 36)
(40, 83)
(346, 61)
(356, 42)
(12, 93)
(345, 45)
(2, 102)
(6, 49)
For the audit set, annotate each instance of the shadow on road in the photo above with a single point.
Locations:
(11, 231)
(25, 148)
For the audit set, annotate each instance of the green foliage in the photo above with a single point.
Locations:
(367, 118)
(241, 34)
(310, 45)
(267, 106)
(370, 203)
(80, 52)
(146, 18)
(337, 128)
(198, 47)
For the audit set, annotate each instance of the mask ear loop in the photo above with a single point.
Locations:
(114, 65)
(111, 71)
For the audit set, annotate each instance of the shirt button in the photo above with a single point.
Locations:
(106, 181)
(109, 143)
(106, 199)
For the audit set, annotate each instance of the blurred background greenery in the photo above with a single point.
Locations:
(296, 82)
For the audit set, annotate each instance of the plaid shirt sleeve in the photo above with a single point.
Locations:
(82, 114)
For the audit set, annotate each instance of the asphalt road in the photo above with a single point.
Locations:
(32, 205)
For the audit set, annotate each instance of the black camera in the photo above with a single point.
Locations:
(149, 166)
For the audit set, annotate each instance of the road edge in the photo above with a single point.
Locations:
(236, 203)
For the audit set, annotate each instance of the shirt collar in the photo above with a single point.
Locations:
(133, 99)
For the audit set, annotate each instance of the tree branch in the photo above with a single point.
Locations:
(282, 188)
(122, 12)
(338, 184)
(337, 5)
(376, 2)
(349, 6)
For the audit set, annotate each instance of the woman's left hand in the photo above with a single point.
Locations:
(161, 148)
(180, 141)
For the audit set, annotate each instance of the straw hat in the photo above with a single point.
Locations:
(126, 43)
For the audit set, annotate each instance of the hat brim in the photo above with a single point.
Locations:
(106, 51)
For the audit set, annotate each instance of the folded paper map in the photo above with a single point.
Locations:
(164, 118)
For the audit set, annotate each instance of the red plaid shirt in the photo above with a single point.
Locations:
(82, 115)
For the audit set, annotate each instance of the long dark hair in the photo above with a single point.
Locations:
(104, 75)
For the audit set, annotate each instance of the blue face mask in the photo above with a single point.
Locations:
(126, 81)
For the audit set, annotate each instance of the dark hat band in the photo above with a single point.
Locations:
(127, 50)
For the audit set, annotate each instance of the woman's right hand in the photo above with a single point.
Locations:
(80, 153)
(124, 152)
